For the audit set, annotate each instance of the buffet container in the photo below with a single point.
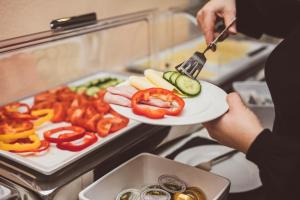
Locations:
(145, 169)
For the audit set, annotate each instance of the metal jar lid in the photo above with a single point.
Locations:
(155, 194)
(154, 186)
(182, 196)
(191, 193)
(171, 184)
(129, 194)
(197, 192)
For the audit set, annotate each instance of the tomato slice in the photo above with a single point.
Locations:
(103, 126)
(76, 116)
(91, 123)
(90, 112)
(101, 106)
(118, 122)
(59, 112)
(101, 94)
(44, 97)
(43, 105)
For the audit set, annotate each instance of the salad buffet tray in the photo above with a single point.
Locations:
(54, 159)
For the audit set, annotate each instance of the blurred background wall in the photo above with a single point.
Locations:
(21, 17)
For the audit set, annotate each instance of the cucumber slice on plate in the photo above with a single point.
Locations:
(167, 75)
(174, 76)
(188, 85)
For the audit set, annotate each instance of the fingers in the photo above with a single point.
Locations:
(206, 19)
(212, 123)
(235, 102)
(229, 15)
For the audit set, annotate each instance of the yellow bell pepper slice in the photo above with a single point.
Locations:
(11, 137)
(36, 143)
(44, 114)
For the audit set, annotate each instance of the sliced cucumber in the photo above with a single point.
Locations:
(110, 83)
(92, 91)
(188, 85)
(173, 78)
(73, 88)
(81, 89)
(104, 81)
(95, 82)
(167, 75)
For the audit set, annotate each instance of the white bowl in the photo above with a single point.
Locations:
(145, 169)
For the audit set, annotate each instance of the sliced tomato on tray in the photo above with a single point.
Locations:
(103, 126)
(59, 112)
(111, 124)
(91, 123)
(101, 106)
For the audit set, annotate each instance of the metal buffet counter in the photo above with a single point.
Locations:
(81, 50)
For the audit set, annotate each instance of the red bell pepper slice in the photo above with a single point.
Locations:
(87, 140)
(76, 133)
(44, 146)
(15, 126)
(13, 111)
(156, 113)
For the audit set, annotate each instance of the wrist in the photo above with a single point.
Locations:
(250, 138)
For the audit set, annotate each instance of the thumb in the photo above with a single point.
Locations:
(228, 17)
(235, 102)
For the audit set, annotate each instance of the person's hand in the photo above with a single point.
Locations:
(207, 17)
(238, 128)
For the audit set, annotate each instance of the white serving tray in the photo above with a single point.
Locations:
(145, 169)
(56, 159)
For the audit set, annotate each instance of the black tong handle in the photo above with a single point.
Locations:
(73, 22)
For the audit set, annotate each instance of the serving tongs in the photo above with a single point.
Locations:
(193, 66)
(207, 166)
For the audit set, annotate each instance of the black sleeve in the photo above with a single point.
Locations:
(274, 17)
(278, 159)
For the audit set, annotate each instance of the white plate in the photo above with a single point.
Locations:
(5, 193)
(243, 174)
(55, 159)
(209, 105)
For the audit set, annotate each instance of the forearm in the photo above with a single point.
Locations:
(277, 18)
(278, 159)
(248, 18)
